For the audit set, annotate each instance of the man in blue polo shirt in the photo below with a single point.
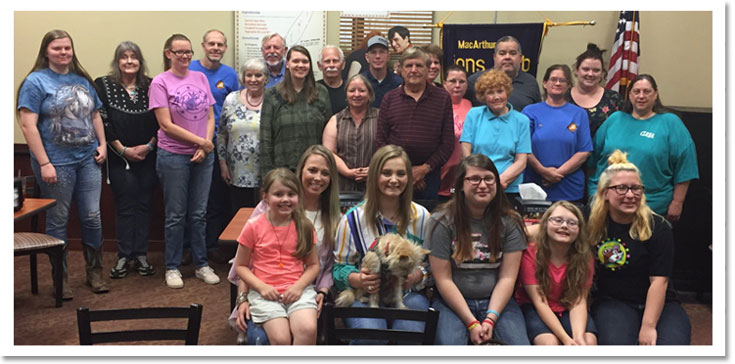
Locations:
(377, 72)
(222, 80)
(274, 52)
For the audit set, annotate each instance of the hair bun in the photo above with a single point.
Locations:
(617, 157)
(593, 48)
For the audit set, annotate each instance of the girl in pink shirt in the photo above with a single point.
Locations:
(284, 263)
(556, 276)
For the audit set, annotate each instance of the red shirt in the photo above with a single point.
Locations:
(527, 276)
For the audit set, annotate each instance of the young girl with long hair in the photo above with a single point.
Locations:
(634, 254)
(281, 243)
(555, 279)
(476, 241)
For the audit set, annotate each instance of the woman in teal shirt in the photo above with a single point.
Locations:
(656, 141)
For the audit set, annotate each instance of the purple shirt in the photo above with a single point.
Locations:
(188, 99)
(424, 128)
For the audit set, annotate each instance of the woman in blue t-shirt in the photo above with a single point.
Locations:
(560, 139)
(58, 110)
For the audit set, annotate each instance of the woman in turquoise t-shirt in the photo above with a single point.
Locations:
(656, 141)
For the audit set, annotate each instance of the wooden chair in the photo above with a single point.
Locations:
(35, 243)
(190, 335)
(338, 335)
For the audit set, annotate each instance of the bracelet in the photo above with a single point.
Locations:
(324, 293)
(150, 148)
(123, 151)
(493, 311)
(49, 162)
(490, 321)
(241, 297)
(472, 325)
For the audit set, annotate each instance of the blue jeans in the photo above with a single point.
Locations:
(256, 334)
(618, 323)
(83, 182)
(185, 194)
(132, 189)
(412, 300)
(451, 330)
(535, 326)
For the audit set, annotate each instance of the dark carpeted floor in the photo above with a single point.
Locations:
(38, 322)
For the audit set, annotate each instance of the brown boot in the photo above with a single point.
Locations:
(95, 278)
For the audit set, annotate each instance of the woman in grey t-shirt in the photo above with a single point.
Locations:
(476, 241)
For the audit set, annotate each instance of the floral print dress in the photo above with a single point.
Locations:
(238, 142)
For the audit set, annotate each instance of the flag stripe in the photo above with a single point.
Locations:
(623, 65)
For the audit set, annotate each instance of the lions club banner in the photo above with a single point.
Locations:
(472, 45)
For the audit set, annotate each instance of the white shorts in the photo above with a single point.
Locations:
(262, 310)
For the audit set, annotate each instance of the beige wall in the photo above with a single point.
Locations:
(671, 42)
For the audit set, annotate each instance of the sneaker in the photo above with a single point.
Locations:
(173, 279)
(207, 274)
(144, 269)
(120, 270)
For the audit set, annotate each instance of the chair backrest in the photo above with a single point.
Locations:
(190, 335)
(338, 335)
(348, 199)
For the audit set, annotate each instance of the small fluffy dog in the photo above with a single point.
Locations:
(394, 258)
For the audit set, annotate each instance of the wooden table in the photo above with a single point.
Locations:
(234, 228)
(31, 208)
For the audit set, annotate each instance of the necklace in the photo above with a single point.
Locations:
(250, 103)
(131, 89)
(280, 242)
(316, 216)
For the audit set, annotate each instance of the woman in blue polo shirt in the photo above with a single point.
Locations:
(498, 131)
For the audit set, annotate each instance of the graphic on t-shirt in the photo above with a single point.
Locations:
(480, 255)
(71, 116)
(190, 102)
(613, 254)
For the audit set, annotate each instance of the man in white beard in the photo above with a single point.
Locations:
(274, 49)
(331, 62)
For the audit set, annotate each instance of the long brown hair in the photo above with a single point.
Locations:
(641, 227)
(42, 59)
(578, 259)
(286, 87)
(329, 199)
(458, 210)
(116, 75)
(372, 190)
(304, 230)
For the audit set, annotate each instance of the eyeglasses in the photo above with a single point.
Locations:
(645, 92)
(623, 189)
(562, 81)
(559, 221)
(181, 53)
(475, 180)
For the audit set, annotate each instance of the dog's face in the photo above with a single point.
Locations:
(403, 257)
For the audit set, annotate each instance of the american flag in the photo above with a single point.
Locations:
(626, 49)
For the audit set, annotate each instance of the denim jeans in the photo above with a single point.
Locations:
(256, 334)
(535, 326)
(451, 330)
(132, 189)
(412, 300)
(185, 194)
(619, 322)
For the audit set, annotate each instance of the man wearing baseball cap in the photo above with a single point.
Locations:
(377, 72)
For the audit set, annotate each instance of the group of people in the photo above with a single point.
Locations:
(275, 137)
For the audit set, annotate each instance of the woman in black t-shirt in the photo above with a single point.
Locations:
(634, 254)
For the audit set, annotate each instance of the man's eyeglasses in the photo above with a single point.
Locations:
(475, 180)
(181, 53)
(559, 221)
(623, 189)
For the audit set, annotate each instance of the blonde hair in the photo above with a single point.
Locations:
(304, 229)
(641, 227)
(491, 79)
(372, 191)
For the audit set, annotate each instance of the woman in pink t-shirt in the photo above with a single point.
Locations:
(555, 279)
(455, 82)
(281, 243)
